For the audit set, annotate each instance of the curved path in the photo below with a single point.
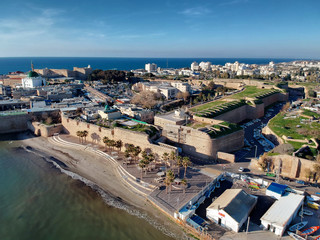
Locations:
(126, 178)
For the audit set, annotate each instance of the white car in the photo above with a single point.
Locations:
(240, 169)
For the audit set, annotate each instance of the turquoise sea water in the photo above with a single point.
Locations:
(24, 63)
(37, 201)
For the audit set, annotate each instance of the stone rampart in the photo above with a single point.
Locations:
(293, 167)
(14, 123)
(43, 130)
(97, 133)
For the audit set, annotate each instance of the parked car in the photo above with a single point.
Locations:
(240, 169)
(300, 182)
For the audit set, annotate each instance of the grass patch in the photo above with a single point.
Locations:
(288, 127)
(206, 106)
(310, 113)
(254, 92)
(222, 129)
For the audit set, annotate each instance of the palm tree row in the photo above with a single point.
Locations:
(147, 158)
(132, 151)
(112, 143)
(82, 135)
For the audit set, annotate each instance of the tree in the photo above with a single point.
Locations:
(136, 151)
(105, 141)
(119, 145)
(185, 184)
(186, 162)
(165, 158)
(316, 169)
(179, 164)
(142, 165)
(169, 178)
(78, 133)
(186, 96)
(85, 134)
(179, 95)
(173, 157)
(308, 174)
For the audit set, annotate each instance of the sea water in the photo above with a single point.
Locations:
(11, 64)
(37, 201)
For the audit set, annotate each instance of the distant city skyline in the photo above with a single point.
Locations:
(219, 29)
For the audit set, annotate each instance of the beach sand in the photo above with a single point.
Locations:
(99, 171)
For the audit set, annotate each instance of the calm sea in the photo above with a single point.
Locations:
(37, 201)
(24, 63)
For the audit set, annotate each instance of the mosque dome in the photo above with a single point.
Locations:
(33, 74)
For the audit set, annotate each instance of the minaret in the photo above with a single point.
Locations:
(32, 68)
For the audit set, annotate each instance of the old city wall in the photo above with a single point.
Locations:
(199, 144)
(206, 120)
(229, 143)
(293, 167)
(250, 111)
(14, 123)
(43, 130)
(96, 134)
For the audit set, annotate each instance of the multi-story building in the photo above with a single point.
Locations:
(151, 67)
(181, 86)
(5, 90)
(195, 66)
(135, 112)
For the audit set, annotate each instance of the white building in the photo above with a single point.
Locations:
(232, 208)
(281, 213)
(205, 66)
(33, 80)
(181, 86)
(276, 190)
(195, 66)
(151, 67)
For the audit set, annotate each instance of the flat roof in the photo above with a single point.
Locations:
(282, 210)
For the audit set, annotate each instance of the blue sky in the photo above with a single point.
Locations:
(167, 28)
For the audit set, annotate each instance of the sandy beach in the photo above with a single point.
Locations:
(102, 173)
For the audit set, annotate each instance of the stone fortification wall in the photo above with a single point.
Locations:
(229, 143)
(293, 167)
(248, 111)
(199, 144)
(14, 123)
(226, 156)
(96, 134)
(43, 130)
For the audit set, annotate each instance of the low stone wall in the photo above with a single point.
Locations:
(269, 134)
(14, 123)
(43, 130)
(226, 156)
(206, 120)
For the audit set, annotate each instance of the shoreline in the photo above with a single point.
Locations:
(103, 178)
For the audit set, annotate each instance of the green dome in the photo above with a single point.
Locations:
(33, 74)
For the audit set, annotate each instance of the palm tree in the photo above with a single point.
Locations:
(185, 162)
(170, 178)
(179, 164)
(112, 143)
(105, 141)
(78, 133)
(136, 152)
(142, 165)
(119, 145)
(85, 134)
(165, 158)
(173, 157)
(185, 184)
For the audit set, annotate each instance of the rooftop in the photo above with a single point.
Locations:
(235, 202)
(277, 188)
(282, 210)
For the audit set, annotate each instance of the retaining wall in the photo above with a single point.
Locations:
(14, 123)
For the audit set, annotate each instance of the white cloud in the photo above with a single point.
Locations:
(195, 11)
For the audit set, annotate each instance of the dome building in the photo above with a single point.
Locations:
(33, 80)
